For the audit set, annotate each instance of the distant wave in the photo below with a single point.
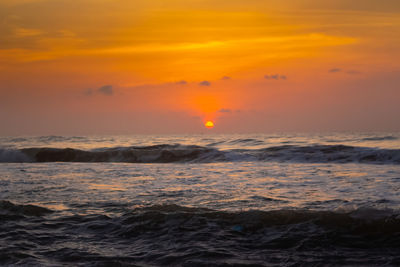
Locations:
(380, 138)
(247, 141)
(56, 138)
(199, 154)
(50, 139)
(330, 153)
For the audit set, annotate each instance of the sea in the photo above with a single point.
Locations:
(201, 200)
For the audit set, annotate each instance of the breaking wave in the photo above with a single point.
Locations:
(198, 154)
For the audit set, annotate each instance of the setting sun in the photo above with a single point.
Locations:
(209, 124)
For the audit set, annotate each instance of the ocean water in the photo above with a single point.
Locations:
(201, 200)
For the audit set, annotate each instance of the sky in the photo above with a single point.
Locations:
(157, 66)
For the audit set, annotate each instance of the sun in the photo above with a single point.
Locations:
(209, 124)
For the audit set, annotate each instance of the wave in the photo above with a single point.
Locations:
(380, 138)
(177, 235)
(56, 138)
(182, 218)
(14, 155)
(7, 207)
(246, 141)
(198, 154)
(146, 154)
(331, 153)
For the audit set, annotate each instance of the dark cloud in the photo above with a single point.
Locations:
(225, 110)
(334, 70)
(106, 90)
(275, 77)
(205, 83)
(226, 78)
(182, 82)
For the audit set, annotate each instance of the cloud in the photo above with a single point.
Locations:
(205, 83)
(25, 32)
(334, 70)
(275, 77)
(226, 78)
(225, 110)
(106, 90)
(182, 82)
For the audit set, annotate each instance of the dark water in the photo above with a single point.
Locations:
(254, 200)
(176, 235)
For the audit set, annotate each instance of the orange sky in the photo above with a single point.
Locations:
(127, 66)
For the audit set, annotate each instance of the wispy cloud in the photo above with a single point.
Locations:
(25, 32)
